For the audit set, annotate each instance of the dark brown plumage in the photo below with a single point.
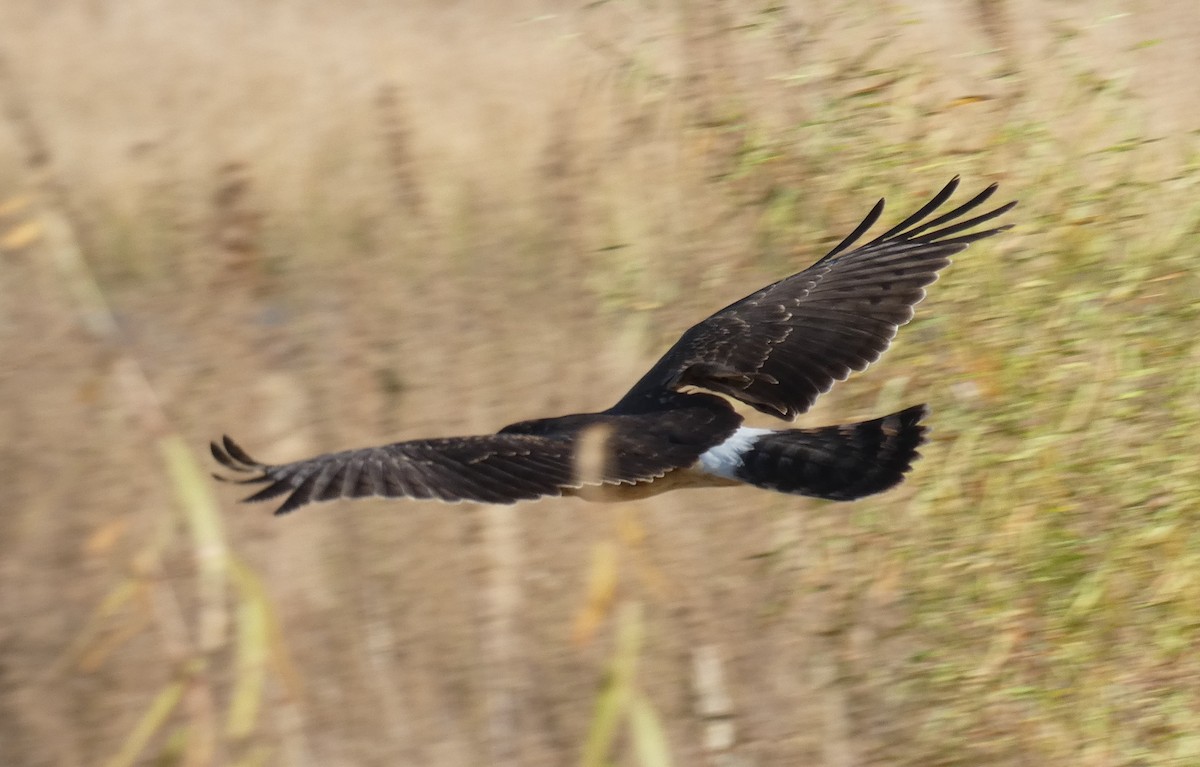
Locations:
(521, 462)
(776, 350)
(781, 347)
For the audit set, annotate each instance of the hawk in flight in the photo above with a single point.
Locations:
(775, 350)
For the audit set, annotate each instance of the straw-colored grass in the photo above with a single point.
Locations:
(319, 226)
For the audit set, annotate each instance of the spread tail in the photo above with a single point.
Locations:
(839, 463)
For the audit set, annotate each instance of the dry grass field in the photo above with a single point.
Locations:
(324, 225)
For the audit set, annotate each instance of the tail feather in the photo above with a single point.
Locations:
(839, 463)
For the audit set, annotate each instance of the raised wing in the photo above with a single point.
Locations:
(523, 461)
(783, 346)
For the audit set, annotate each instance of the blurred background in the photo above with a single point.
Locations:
(319, 225)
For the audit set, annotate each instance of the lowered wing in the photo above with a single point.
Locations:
(523, 461)
(485, 469)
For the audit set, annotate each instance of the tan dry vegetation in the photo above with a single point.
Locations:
(327, 225)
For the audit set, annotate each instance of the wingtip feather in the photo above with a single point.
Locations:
(235, 451)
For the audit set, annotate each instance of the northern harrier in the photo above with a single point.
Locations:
(775, 350)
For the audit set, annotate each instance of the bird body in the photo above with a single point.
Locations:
(775, 350)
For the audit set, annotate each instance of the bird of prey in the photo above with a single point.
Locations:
(775, 350)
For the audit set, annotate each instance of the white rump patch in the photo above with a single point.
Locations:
(726, 458)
